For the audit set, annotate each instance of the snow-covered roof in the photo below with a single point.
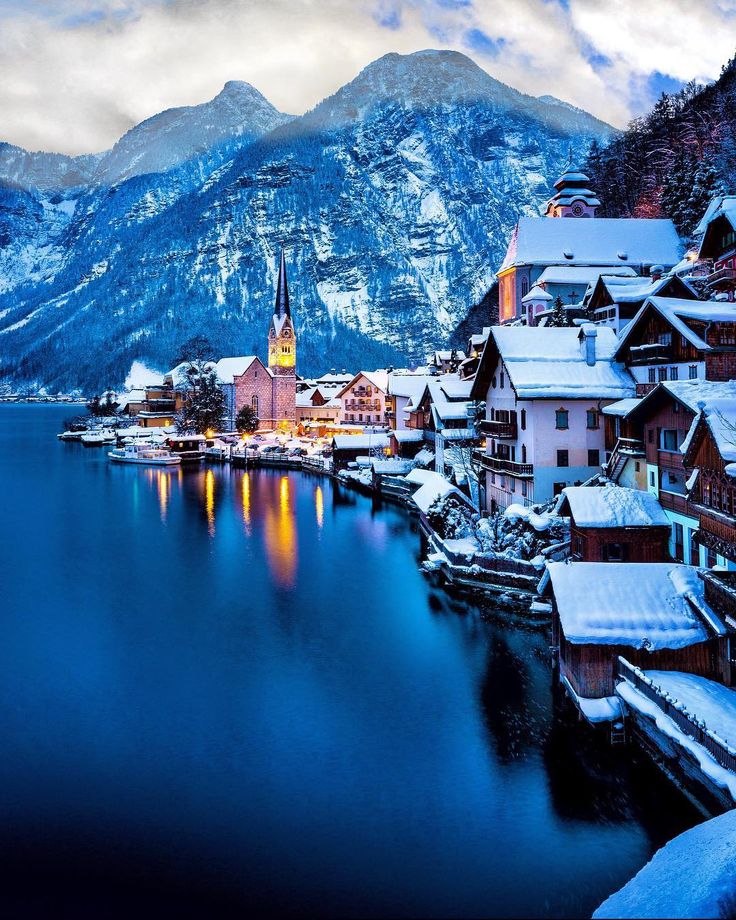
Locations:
(132, 396)
(622, 407)
(653, 605)
(676, 311)
(335, 378)
(408, 435)
(634, 289)
(691, 876)
(547, 363)
(433, 487)
(536, 293)
(359, 441)
(391, 466)
(599, 241)
(446, 355)
(579, 274)
(408, 385)
(614, 506)
(720, 205)
(720, 416)
(228, 368)
(378, 379)
(449, 400)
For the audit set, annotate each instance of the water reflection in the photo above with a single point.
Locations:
(209, 500)
(319, 505)
(245, 496)
(280, 535)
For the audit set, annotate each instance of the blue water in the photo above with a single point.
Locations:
(228, 691)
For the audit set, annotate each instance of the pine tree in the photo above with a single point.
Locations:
(558, 318)
(204, 406)
(246, 421)
(706, 185)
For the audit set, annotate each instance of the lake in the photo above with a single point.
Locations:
(228, 691)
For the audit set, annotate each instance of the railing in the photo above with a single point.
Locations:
(500, 465)
(721, 275)
(495, 428)
(725, 531)
(721, 750)
(649, 354)
(624, 449)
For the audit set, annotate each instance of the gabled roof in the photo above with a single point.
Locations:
(548, 363)
(613, 506)
(719, 415)
(689, 393)
(677, 312)
(637, 289)
(536, 293)
(408, 385)
(654, 605)
(597, 241)
(378, 379)
(720, 206)
(228, 368)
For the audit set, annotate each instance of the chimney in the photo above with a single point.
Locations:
(656, 272)
(587, 336)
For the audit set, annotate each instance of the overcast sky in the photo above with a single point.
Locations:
(76, 74)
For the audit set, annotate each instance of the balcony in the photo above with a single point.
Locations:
(717, 531)
(722, 277)
(501, 465)
(495, 428)
(653, 353)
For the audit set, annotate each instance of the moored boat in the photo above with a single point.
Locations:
(97, 438)
(143, 455)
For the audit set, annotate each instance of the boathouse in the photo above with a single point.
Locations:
(653, 614)
(614, 524)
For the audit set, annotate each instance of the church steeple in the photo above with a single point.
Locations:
(281, 308)
(281, 336)
(573, 198)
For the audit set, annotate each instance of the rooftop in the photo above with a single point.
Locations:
(613, 506)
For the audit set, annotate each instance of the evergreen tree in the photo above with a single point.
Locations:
(204, 406)
(706, 185)
(558, 318)
(246, 420)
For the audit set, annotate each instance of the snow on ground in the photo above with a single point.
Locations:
(694, 875)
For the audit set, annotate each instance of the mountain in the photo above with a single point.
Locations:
(394, 199)
(673, 161)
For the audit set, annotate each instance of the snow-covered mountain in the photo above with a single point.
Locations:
(394, 199)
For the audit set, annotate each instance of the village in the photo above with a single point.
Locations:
(576, 460)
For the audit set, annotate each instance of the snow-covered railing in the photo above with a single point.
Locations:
(721, 750)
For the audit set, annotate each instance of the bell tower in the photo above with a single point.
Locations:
(572, 197)
(282, 353)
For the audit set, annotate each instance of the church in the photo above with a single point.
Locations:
(560, 254)
(270, 391)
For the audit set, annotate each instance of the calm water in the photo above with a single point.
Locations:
(230, 691)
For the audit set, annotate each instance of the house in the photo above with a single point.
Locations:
(660, 423)
(654, 614)
(544, 390)
(404, 389)
(346, 448)
(445, 362)
(582, 248)
(570, 284)
(709, 457)
(718, 227)
(614, 301)
(443, 412)
(675, 339)
(615, 524)
(364, 400)
(317, 407)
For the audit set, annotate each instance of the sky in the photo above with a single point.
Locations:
(76, 74)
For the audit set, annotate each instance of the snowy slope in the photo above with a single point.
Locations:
(394, 199)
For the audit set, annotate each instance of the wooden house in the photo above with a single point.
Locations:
(615, 300)
(710, 460)
(653, 614)
(718, 227)
(346, 448)
(674, 339)
(615, 524)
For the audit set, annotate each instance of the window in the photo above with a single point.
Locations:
(594, 458)
(512, 484)
(651, 478)
(558, 487)
(669, 439)
(662, 374)
(523, 453)
(650, 435)
(563, 458)
(664, 338)
(694, 548)
(614, 552)
(652, 375)
(678, 540)
(592, 417)
(254, 404)
(692, 372)
(674, 373)
(523, 419)
(675, 406)
(500, 379)
(637, 466)
(493, 381)
(561, 419)
(524, 487)
(524, 287)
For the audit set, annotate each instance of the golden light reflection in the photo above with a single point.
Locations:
(164, 492)
(280, 536)
(319, 504)
(209, 500)
(245, 487)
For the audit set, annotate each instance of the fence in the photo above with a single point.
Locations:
(721, 750)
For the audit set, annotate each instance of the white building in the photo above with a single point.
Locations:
(544, 390)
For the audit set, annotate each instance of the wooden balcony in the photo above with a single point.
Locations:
(653, 353)
(500, 465)
(722, 277)
(717, 531)
(676, 502)
(495, 428)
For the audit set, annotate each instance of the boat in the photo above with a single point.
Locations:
(71, 435)
(190, 447)
(97, 438)
(143, 455)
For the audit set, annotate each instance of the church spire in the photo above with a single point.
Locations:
(281, 309)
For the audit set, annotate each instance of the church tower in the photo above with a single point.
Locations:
(282, 353)
(573, 198)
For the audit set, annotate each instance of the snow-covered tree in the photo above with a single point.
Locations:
(559, 317)
(204, 405)
(246, 421)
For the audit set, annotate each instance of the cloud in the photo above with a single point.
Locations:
(75, 74)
